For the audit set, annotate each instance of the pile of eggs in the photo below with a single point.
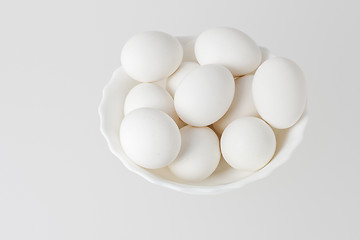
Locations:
(217, 96)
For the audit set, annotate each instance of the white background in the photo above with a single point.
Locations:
(58, 180)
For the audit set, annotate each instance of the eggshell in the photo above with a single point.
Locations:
(204, 95)
(279, 92)
(199, 154)
(174, 80)
(248, 144)
(228, 47)
(150, 138)
(150, 95)
(241, 106)
(151, 56)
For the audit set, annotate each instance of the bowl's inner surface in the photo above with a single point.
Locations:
(112, 115)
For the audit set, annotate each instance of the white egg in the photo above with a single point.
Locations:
(241, 106)
(204, 95)
(150, 95)
(199, 154)
(248, 144)
(175, 79)
(150, 138)
(151, 56)
(279, 92)
(228, 47)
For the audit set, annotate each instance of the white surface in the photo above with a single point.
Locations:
(58, 180)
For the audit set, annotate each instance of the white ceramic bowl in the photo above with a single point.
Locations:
(223, 179)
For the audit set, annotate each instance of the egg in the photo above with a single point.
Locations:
(241, 106)
(150, 95)
(175, 79)
(199, 154)
(279, 92)
(248, 144)
(150, 138)
(151, 56)
(228, 47)
(204, 95)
